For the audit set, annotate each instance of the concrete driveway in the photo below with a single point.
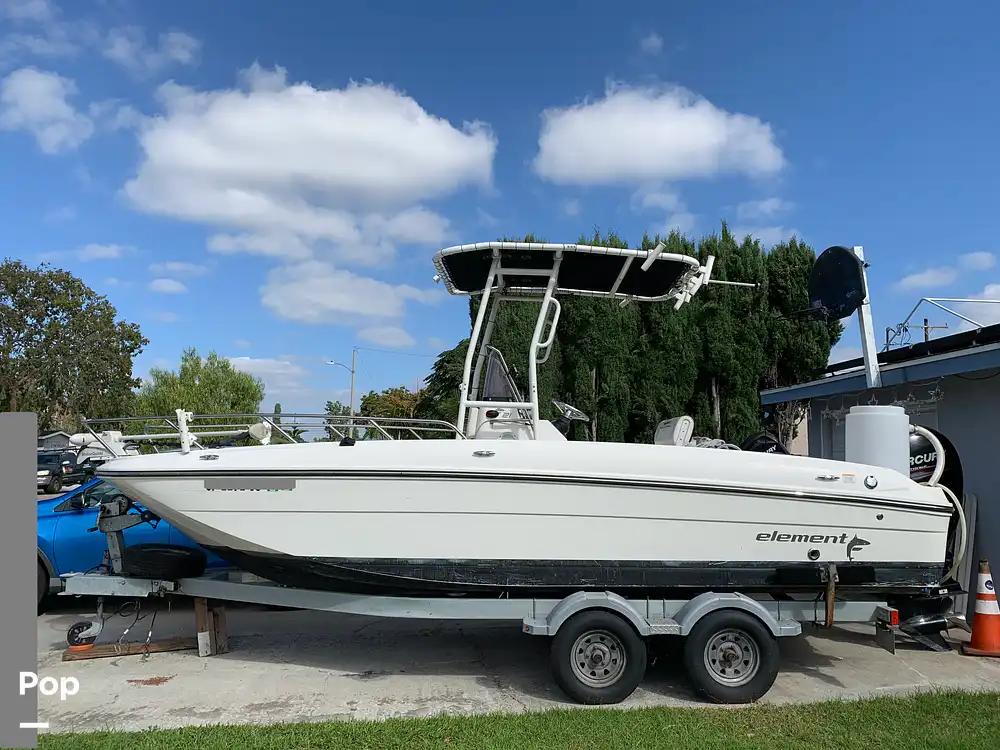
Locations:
(310, 666)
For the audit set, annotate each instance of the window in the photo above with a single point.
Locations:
(498, 385)
(91, 497)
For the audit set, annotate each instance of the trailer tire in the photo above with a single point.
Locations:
(163, 561)
(597, 658)
(731, 657)
(73, 634)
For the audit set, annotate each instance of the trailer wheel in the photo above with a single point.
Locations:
(597, 657)
(731, 657)
(163, 561)
(73, 634)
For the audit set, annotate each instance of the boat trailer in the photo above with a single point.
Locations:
(735, 633)
(599, 638)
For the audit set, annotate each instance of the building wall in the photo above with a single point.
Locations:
(53, 442)
(967, 411)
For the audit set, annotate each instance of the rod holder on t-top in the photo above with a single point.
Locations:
(838, 287)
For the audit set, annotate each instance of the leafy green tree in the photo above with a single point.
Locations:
(799, 345)
(63, 354)
(439, 397)
(203, 386)
(398, 401)
(336, 409)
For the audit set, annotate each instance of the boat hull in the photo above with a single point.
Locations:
(661, 578)
(438, 517)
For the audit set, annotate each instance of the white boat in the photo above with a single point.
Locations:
(510, 506)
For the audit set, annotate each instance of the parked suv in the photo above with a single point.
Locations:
(57, 469)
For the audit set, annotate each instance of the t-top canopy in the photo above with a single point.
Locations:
(526, 267)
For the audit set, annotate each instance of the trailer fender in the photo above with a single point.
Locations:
(703, 604)
(580, 601)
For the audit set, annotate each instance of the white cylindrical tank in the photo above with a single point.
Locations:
(879, 435)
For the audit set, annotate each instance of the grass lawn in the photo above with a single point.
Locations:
(945, 719)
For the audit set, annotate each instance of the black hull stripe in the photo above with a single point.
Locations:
(535, 577)
(651, 484)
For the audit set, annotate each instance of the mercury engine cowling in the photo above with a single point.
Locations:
(923, 459)
(763, 442)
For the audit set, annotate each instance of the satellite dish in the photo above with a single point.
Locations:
(836, 284)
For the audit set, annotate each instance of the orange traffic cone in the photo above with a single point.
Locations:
(986, 621)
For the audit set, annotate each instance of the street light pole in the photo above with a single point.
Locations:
(352, 369)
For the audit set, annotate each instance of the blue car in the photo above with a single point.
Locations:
(66, 546)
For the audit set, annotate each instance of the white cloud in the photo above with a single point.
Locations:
(657, 197)
(648, 134)
(281, 376)
(571, 207)
(984, 314)
(178, 268)
(317, 292)
(96, 251)
(978, 261)
(651, 44)
(762, 210)
(290, 170)
(27, 10)
(242, 343)
(768, 236)
(277, 244)
(37, 29)
(941, 276)
(113, 114)
(167, 286)
(128, 47)
(166, 316)
(929, 278)
(486, 218)
(37, 102)
(393, 336)
(682, 222)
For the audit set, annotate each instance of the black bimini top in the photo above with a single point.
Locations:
(582, 269)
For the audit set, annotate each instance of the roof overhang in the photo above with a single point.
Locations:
(900, 373)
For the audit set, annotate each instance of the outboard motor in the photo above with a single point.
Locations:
(923, 459)
(763, 442)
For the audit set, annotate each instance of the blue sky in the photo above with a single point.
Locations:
(270, 180)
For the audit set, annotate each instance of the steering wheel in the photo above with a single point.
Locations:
(570, 412)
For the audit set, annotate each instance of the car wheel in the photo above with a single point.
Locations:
(55, 485)
(43, 584)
